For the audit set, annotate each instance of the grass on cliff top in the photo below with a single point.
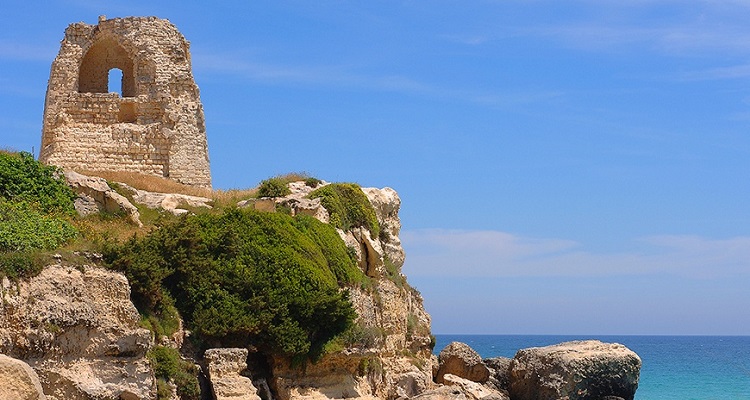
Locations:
(150, 183)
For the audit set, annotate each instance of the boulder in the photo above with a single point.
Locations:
(296, 202)
(173, 203)
(580, 370)
(411, 384)
(18, 381)
(95, 195)
(473, 390)
(499, 371)
(457, 392)
(224, 372)
(267, 204)
(80, 332)
(461, 360)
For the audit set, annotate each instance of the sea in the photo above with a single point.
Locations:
(674, 367)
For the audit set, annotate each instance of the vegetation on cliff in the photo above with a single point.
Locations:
(348, 207)
(236, 277)
(169, 367)
(35, 210)
(245, 277)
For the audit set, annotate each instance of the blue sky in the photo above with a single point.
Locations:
(576, 167)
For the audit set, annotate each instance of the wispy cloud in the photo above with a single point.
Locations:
(705, 26)
(731, 72)
(500, 254)
(26, 52)
(347, 76)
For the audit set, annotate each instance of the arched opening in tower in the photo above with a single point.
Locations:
(102, 57)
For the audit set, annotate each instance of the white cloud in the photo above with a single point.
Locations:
(499, 254)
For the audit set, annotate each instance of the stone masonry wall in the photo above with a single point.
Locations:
(154, 126)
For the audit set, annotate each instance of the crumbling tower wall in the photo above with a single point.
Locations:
(154, 125)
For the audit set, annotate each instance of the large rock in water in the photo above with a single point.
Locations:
(581, 370)
(461, 360)
(18, 381)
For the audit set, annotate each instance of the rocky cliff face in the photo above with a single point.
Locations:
(392, 357)
(77, 328)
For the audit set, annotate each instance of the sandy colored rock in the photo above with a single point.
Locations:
(387, 203)
(224, 369)
(78, 329)
(95, 195)
(154, 125)
(18, 381)
(173, 203)
(442, 393)
(473, 390)
(580, 370)
(461, 360)
(499, 371)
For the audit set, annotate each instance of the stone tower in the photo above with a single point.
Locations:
(153, 126)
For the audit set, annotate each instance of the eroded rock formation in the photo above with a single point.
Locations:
(77, 328)
(462, 361)
(583, 370)
(224, 369)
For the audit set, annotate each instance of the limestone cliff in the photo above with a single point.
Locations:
(77, 328)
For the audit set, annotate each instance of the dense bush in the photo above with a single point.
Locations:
(273, 187)
(348, 207)
(34, 208)
(23, 179)
(245, 277)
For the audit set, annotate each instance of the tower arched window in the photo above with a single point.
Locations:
(97, 66)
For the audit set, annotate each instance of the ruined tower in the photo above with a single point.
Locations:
(153, 126)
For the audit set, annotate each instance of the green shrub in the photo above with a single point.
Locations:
(348, 207)
(168, 366)
(359, 336)
(273, 187)
(23, 179)
(19, 264)
(245, 277)
(24, 228)
(312, 182)
(164, 319)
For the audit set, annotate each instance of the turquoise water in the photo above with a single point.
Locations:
(674, 367)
